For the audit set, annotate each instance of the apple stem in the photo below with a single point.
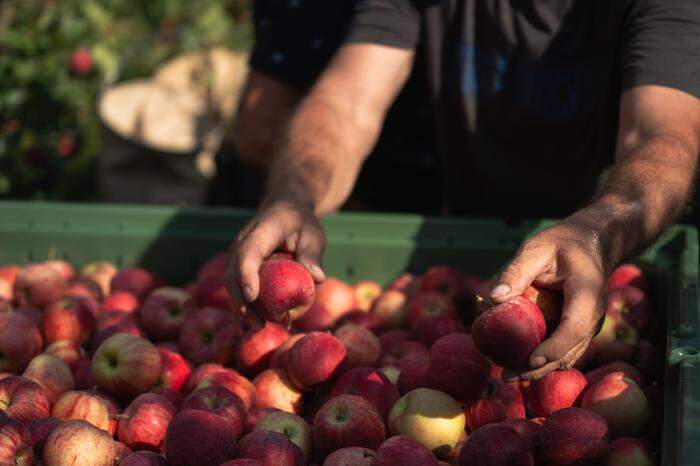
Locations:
(487, 301)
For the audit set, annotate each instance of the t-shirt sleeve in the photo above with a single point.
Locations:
(295, 39)
(662, 45)
(395, 23)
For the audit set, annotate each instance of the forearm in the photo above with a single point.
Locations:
(647, 190)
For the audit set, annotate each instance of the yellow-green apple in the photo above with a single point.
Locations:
(15, 443)
(209, 335)
(617, 340)
(222, 402)
(143, 423)
(87, 406)
(430, 416)
(143, 458)
(199, 438)
(52, 374)
(270, 448)
(390, 309)
(23, 399)
(350, 456)
(371, 384)
(315, 359)
(574, 436)
(255, 348)
(286, 290)
(274, 390)
(295, 428)
(361, 345)
(347, 421)
(68, 351)
(556, 390)
(494, 445)
(174, 370)
(366, 291)
(136, 281)
(429, 304)
(125, 365)
(405, 451)
(79, 442)
(198, 374)
(120, 301)
(392, 373)
(20, 341)
(101, 272)
(333, 299)
(164, 311)
(619, 400)
(414, 374)
(633, 306)
(234, 382)
(627, 275)
(498, 402)
(37, 285)
(628, 451)
(281, 355)
(68, 318)
(254, 415)
(517, 321)
(457, 368)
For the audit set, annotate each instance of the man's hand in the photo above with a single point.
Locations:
(285, 225)
(566, 256)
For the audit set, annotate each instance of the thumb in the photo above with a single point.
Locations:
(530, 261)
(310, 247)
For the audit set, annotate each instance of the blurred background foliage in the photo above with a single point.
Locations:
(49, 130)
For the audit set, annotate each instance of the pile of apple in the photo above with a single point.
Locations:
(109, 366)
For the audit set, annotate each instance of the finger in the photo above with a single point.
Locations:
(251, 252)
(581, 310)
(530, 261)
(232, 282)
(310, 247)
(567, 362)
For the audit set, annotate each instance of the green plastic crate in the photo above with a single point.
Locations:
(175, 241)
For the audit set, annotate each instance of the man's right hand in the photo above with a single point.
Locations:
(279, 225)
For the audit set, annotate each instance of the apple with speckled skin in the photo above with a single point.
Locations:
(164, 311)
(286, 290)
(574, 436)
(350, 456)
(295, 428)
(68, 318)
(52, 374)
(222, 402)
(371, 384)
(457, 368)
(37, 285)
(498, 402)
(199, 438)
(144, 422)
(22, 399)
(209, 335)
(270, 448)
(79, 442)
(20, 341)
(414, 374)
(405, 451)
(494, 445)
(556, 390)
(174, 370)
(315, 359)
(361, 345)
(256, 347)
(274, 390)
(83, 405)
(15, 443)
(234, 382)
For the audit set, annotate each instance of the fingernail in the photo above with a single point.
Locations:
(248, 293)
(538, 361)
(500, 290)
(316, 270)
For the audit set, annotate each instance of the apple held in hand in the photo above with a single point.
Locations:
(286, 290)
(126, 365)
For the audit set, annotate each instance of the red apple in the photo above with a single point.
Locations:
(164, 311)
(234, 382)
(212, 292)
(124, 327)
(390, 308)
(362, 318)
(109, 319)
(556, 390)
(125, 365)
(405, 282)
(430, 416)
(295, 428)
(429, 329)
(270, 448)
(404, 451)
(23, 399)
(37, 285)
(316, 358)
(144, 458)
(457, 368)
(620, 401)
(6, 293)
(144, 422)
(222, 402)
(68, 318)
(52, 374)
(176, 398)
(199, 438)
(402, 352)
(574, 436)
(366, 291)
(20, 341)
(494, 445)
(198, 374)
(243, 462)
(530, 433)
(213, 267)
(174, 370)
(429, 304)
(550, 303)
(442, 279)
(414, 375)
(209, 335)
(82, 373)
(347, 421)
(519, 322)
(617, 340)
(333, 300)
(86, 406)
(64, 268)
(498, 402)
(391, 338)
(120, 301)
(286, 290)
(281, 355)
(628, 451)
(68, 351)
(15, 443)
(629, 370)
(84, 287)
(275, 390)
(255, 415)
(350, 456)
(627, 275)
(361, 345)
(136, 281)
(102, 273)
(255, 348)
(371, 384)
(633, 305)
(79, 442)
(39, 430)
(9, 272)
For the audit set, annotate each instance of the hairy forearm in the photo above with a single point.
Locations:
(647, 190)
